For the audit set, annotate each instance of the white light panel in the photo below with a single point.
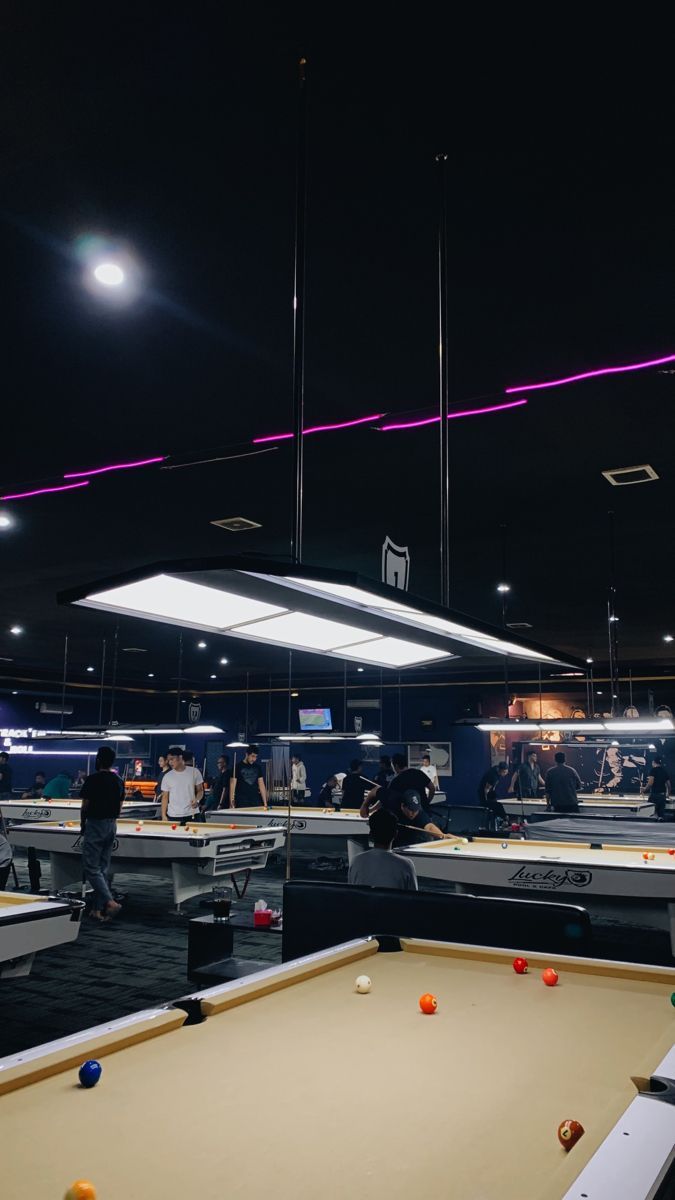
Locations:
(307, 632)
(508, 727)
(638, 726)
(393, 652)
(358, 595)
(185, 602)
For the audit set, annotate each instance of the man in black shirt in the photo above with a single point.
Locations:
(405, 798)
(5, 777)
(247, 786)
(562, 785)
(102, 795)
(220, 790)
(658, 786)
(355, 785)
(487, 793)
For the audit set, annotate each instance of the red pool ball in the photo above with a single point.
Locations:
(428, 1003)
(174, 827)
(550, 977)
(671, 851)
(569, 1133)
(520, 966)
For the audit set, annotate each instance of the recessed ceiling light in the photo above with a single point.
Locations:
(294, 695)
(589, 660)
(213, 676)
(90, 669)
(598, 693)
(667, 637)
(15, 693)
(360, 669)
(134, 650)
(613, 618)
(151, 674)
(201, 645)
(5, 521)
(503, 587)
(624, 476)
(16, 630)
(236, 524)
(223, 662)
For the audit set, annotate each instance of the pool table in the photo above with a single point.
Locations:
(69, 810)
(563, 870)
(192, 857)
(296, 1087)
(600, 805)
(29, 924)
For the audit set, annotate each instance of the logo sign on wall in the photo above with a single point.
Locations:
(395, 564)
(194, 711)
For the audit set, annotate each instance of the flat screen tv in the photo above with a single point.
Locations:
(312, 720)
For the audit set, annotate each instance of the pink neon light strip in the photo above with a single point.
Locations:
(471, 412)
(142, 462)
(282, 437)
(551, 383)
(66, 487)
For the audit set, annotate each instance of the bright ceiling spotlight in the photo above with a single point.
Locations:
(109, 274)
(503, 587)
(5, 521)
(17, 630)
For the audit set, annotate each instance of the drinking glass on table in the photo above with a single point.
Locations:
(222, 903)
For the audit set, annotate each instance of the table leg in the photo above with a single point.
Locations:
(247, 879)
(34, 869)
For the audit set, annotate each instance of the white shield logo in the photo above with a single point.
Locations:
(395, 564)
(194, 711)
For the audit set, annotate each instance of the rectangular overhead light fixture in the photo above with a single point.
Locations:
(315, 610)
(393, 652)
(315, 633)
(580, 726)
(182, 602)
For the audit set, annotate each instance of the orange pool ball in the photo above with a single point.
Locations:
(82, 1189)
(569, 1133)
(550, 977)
(428, 1003)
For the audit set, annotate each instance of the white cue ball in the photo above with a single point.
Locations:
(363, 984)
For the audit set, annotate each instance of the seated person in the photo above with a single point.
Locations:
(35, 792)
(380, 867)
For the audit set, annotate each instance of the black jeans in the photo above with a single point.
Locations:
(659, 803)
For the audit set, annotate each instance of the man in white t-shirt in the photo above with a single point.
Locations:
(182, 789)
(429, 769)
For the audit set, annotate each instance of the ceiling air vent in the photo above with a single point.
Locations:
(236, 524)
(622, 476)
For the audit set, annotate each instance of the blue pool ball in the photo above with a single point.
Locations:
(90, 1073)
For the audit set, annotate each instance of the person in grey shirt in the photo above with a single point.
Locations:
(381, 867)
(562, 785)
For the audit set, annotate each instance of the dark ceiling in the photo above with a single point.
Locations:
(173, 132)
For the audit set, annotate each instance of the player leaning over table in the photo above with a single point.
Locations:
(404, 797)
(182, 789)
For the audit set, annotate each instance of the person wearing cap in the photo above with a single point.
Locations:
(404, 797)
(380, 867)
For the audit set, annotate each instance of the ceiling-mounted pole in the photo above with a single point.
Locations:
(65, 675)
(246, 736)
(442, 160)
(180, 673)
(114, 671)
(612, 622)
(100, 694)
(299, 314)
